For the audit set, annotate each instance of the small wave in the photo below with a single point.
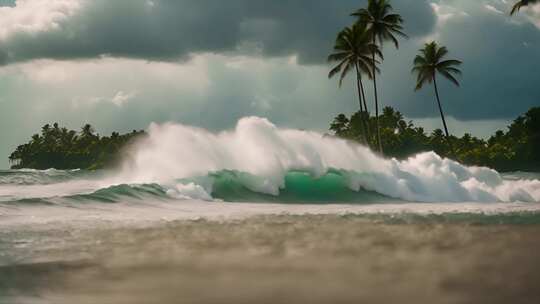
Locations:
(112, 194)
(38, 177)
(119, 193)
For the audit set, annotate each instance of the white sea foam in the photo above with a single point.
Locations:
(189, 191)
(259, 148)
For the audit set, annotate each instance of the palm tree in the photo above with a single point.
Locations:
(353, 51)
(87, 130)
(521, 4)
(428, 64)
(382, 25)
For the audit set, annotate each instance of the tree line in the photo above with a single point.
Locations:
(60, 148)
(517, 148)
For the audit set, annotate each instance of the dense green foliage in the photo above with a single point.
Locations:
(61, 148)
(518, 148)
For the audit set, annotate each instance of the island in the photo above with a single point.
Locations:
(60, 148)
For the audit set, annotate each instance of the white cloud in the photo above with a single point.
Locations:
(121, 98)
(106, 71)
(31, 16)
(441, 12)
(533, 14)
(493, 9)
(446, 12)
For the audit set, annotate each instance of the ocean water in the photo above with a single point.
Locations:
(263, 214)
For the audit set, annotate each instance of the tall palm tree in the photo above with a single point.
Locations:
(353, 51)
(383, 26)
(521, 4)
(430, 63)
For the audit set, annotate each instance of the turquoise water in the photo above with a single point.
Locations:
(228, 186)
(299, 187)
(78, 186)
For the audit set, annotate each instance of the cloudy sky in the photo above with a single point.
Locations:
(122, 64)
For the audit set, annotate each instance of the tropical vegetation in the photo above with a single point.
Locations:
(517, 148)
(60, 148)
(353, 51)
(382, 25)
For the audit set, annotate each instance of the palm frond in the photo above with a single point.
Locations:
(422, 79)
(391, 37)
(419, 60)
(440, 52)
(450, 77)
(345, 70)
(451, 70)
(338, 56)
(354, 47)
(430, 61)
(336, 69)
(382, 24)
(392, 19)
(449, 63)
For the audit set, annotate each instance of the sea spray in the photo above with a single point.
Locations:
(264, 154)
(258, 162)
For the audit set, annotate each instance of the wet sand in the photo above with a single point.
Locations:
(275, 259)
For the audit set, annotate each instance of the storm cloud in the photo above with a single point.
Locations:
(174, 29)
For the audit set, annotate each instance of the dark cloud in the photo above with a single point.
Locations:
(172, 29)
(500, 70)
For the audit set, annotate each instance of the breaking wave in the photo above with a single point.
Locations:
(259, 162)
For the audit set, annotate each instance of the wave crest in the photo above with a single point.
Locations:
(267, 154)
(258, 161)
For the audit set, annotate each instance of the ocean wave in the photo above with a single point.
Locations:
(259, 162)
(33, 177)
(266, 154)
(229, 186)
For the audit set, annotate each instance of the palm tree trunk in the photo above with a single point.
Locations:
(368, 128)
(376, 100)
(440, 107)
(362, 123)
